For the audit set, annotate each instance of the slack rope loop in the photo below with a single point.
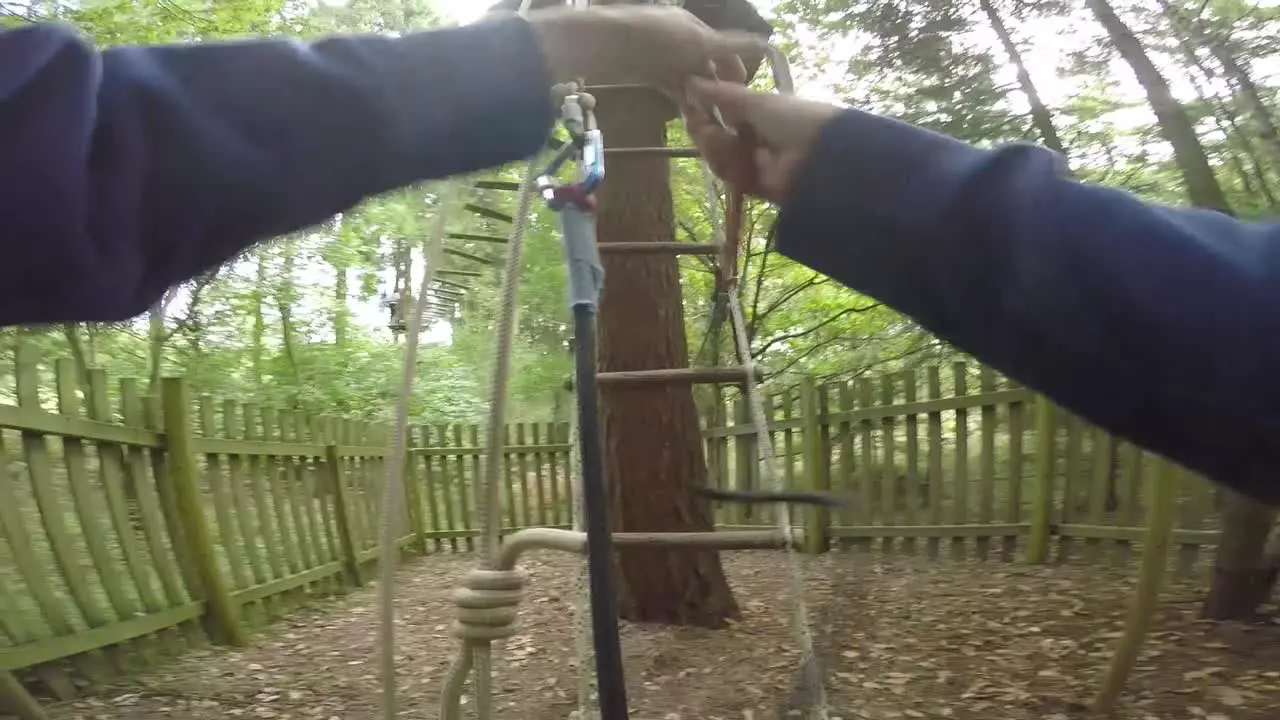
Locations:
(476, 655)
(393, 496)
(810, 672)
(487, 605)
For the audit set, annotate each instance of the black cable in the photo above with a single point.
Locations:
(610, 678)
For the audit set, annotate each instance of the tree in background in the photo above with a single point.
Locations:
(289, 324)
(928, 63)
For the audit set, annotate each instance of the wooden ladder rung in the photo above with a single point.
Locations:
(671, 152)
(555, 144)
(497, 185)
(450, 283)
(476, 238)
(459, 273)
(622, 86)
(659, 248)
(468, 256)
(672, 376)
(487, 212)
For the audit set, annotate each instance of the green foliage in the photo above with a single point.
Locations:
(297, 322)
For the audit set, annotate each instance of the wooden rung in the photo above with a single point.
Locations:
(487, 212)
(719, 539)
(672, 152)
(477, 238)
(459, 273)
(450, 283)
(497, 185)
(622, 86)
(468, 256)
(670, 376)
(659, 248)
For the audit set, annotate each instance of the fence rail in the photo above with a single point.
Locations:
(170, 522)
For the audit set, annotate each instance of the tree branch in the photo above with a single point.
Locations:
(201, 283)
(803, 333)
(752, 323)
(813, 281)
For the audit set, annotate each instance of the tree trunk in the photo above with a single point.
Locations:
(653, 448)
(1242, 575)
(341, 310)
(1238, 77)
(1223, 113)
(259, 318)
(76, 343)
(1238, 563)
(1257, 107)
(155, 341)
(286, 298)
(1202, 186)
(1041, 118)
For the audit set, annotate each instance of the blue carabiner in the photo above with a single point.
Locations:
(588, 146)
(592, 162)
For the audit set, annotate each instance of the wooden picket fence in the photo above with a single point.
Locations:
(174, 521)
(967, 470)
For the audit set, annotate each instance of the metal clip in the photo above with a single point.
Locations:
(586, 142)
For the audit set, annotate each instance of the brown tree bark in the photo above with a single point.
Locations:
(1238, 564)
(654, 453)
(1041, 118)
(1237, 75)
(1189, 36)
(1242, 572)
(1202, 186)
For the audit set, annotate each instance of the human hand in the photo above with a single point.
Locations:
(764, 137)
(657, 45)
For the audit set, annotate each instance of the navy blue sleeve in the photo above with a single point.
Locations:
(125, 171)
(1159, 324)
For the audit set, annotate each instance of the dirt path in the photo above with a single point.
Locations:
(903, 638)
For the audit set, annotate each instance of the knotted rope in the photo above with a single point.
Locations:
(488, 584)
(810, 673)
(393, 500)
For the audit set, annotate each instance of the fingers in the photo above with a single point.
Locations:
(734, 101)
(734, 43)
(727, 49)
(729, 68)
(727, 154)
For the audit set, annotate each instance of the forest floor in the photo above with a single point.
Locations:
(902, 637)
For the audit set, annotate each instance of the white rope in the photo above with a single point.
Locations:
(588, 700)
(393, 499)
(760, 421)
(488, 508)
(800, 613)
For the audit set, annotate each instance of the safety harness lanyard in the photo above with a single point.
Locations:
(575, 204)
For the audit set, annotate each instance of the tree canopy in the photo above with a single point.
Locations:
(1169, 99)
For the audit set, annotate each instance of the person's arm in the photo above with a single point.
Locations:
(125, 171)
(1161, 325)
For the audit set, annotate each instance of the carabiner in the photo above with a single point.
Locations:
(587, 143)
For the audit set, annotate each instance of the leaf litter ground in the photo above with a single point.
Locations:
(901, 638)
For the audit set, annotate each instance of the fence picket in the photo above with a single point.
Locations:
(291, 502)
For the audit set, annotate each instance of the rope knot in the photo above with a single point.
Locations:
(487, 605)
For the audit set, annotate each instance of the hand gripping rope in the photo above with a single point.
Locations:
(488, 601)
(728, 233)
